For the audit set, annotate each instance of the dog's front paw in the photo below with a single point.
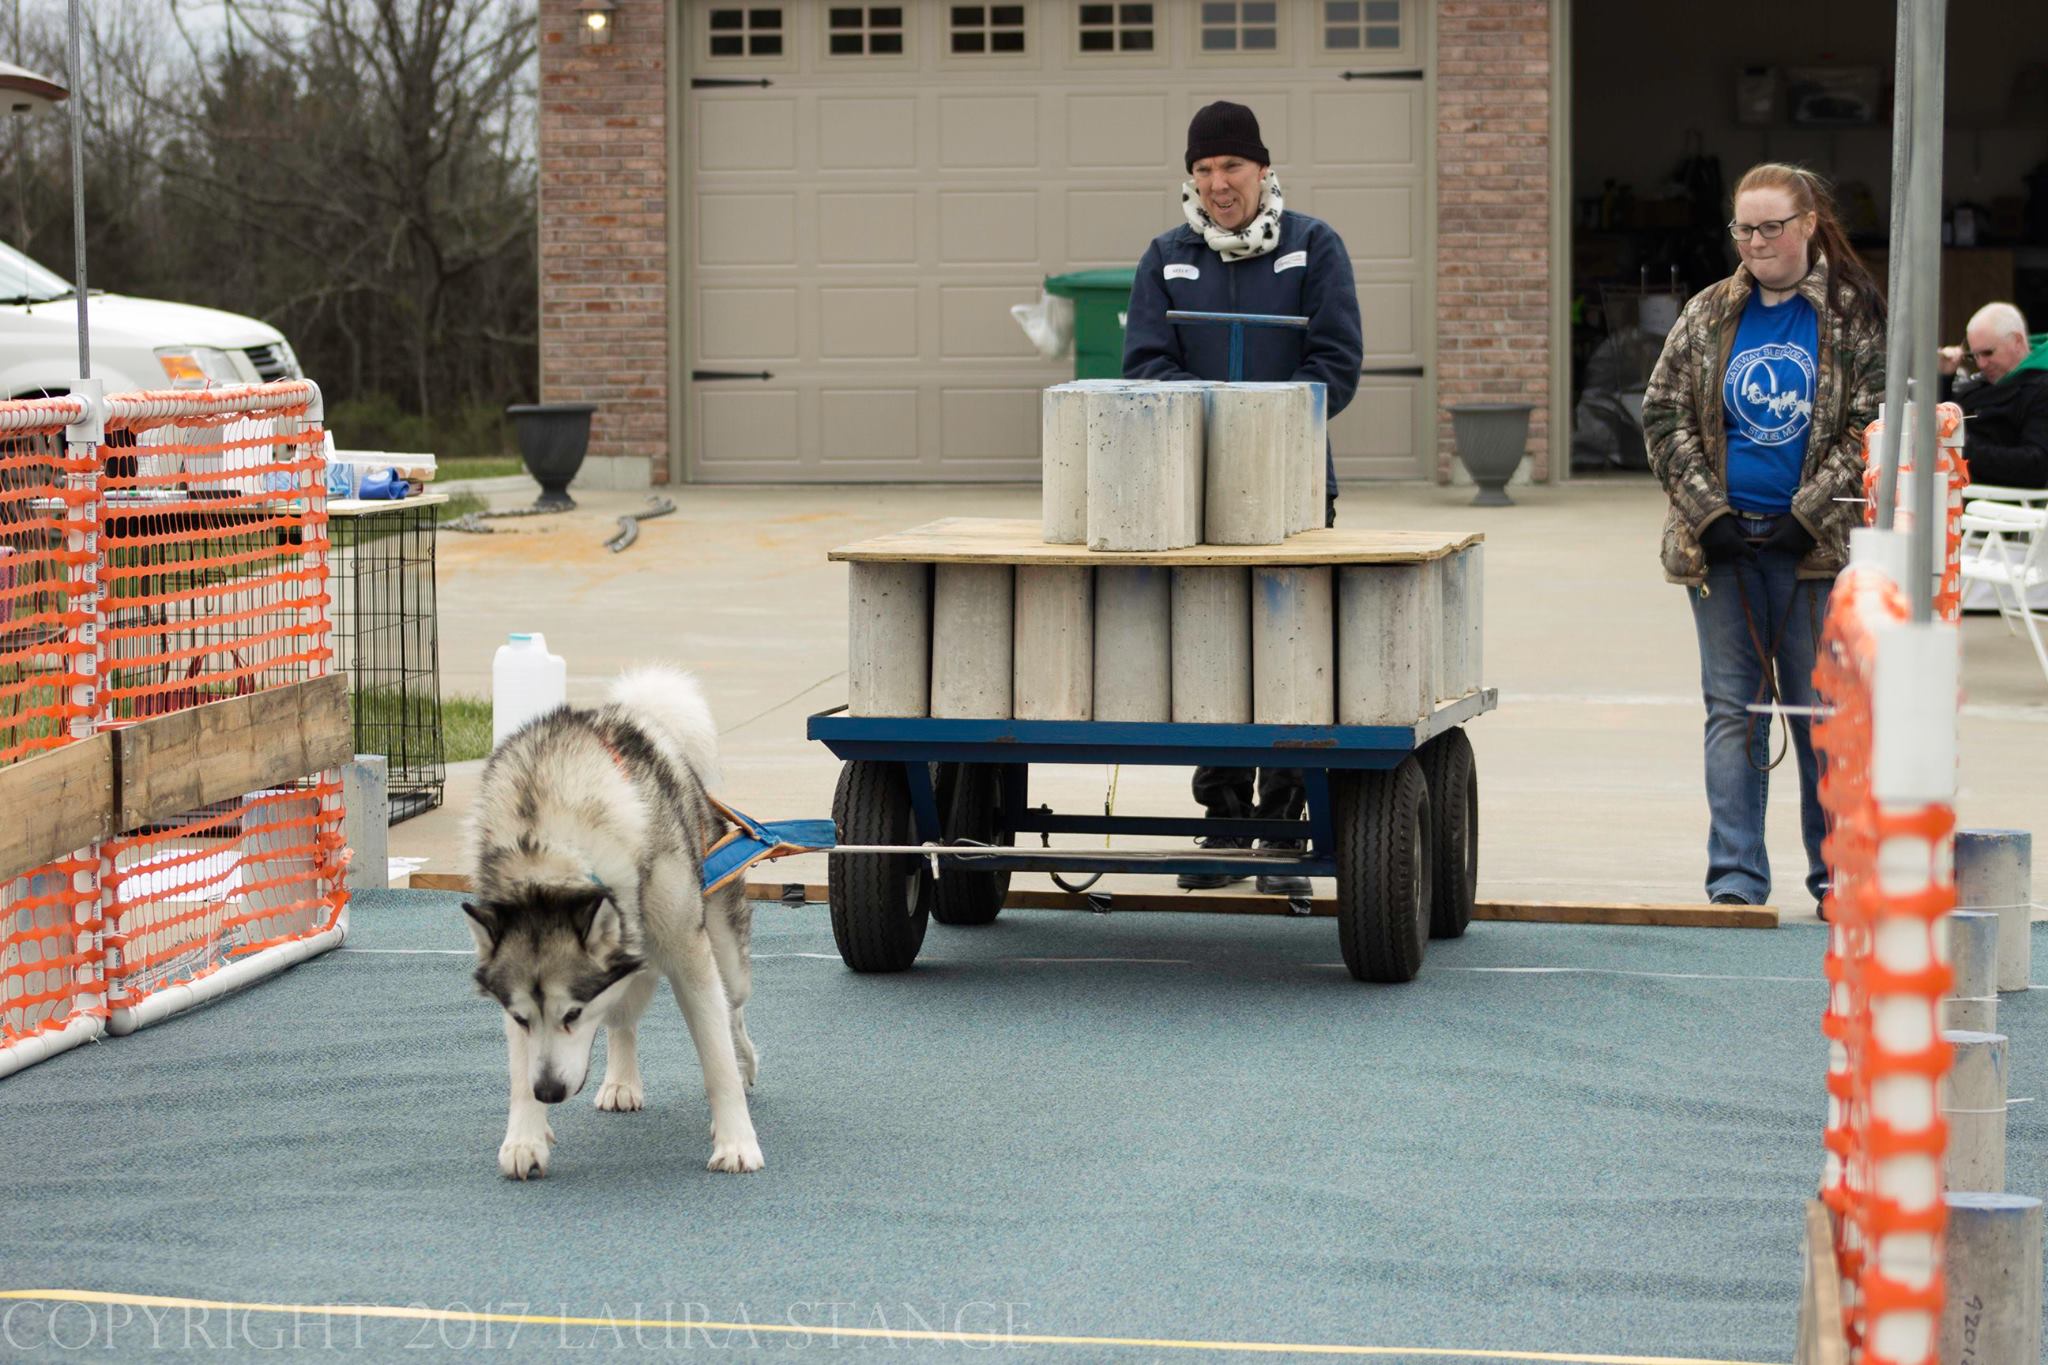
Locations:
(621, 1097)
(524, 1153)
(737, 1154)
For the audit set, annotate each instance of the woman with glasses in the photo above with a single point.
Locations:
(1754, 421)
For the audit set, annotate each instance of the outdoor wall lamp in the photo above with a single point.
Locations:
(597, 20)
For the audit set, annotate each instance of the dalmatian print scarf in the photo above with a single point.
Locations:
(1255, 238)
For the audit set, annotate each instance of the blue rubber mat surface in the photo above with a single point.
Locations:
(1173, 1128)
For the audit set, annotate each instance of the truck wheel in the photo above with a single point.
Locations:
(1454, 809)
(970, 804)
(879, 901)
(1383, 871)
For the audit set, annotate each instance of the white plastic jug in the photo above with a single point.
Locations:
(526, 681)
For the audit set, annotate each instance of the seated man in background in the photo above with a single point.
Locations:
(2006, 402)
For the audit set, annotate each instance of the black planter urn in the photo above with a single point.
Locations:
(553, 439)
(1490, 439)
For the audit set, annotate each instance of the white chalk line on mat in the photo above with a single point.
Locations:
(414, 1313)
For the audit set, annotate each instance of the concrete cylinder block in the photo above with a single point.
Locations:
(1432, 641)
(1055, 643)
(1212, 646)
(972, 615)
(1972, 1001)
(1309, 467)
(1294, 646)
(1145, 467)
(1380, 658)
(888, 633)
(1973, 1099)
(1063, 458)
(1458, 638)
(1991, 1309)
(1995, 872)
(1254, 435)
(1133, 643)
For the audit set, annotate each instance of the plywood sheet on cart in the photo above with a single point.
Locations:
(990, 540)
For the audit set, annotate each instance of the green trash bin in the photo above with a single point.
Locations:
(1100, 299)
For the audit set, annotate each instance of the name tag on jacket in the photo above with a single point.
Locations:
(1183, 272)
(1293, 260)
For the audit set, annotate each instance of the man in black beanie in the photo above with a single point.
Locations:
(1241, 251)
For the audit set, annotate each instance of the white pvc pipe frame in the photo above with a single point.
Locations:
(87, 411)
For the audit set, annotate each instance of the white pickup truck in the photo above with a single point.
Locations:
(136, 343)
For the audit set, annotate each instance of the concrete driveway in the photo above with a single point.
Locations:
(1590, 771)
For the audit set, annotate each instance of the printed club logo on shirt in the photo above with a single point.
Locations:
(1769, 393)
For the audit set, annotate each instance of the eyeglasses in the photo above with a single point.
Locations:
(1985, 354)
(1766, 230)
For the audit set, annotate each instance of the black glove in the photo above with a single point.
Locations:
(1788, 537)
(1724, 544)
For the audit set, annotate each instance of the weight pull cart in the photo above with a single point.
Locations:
(928, 811)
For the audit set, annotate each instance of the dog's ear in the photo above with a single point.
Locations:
(484, 923)
(596, 917)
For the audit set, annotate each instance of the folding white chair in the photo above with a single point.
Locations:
(2006, 547)
(1982, 596)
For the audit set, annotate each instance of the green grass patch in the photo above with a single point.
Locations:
(466, 728)
(477, 467)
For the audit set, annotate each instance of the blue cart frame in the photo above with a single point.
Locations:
(1007, 748)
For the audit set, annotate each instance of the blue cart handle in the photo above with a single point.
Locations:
(1236, 322)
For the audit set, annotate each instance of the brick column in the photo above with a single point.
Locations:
(604, 226)
(1493, 213)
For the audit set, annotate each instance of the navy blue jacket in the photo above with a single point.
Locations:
(1307, 275)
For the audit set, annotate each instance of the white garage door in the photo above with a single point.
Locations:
(867, 189)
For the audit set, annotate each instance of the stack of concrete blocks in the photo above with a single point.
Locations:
(1993, 1267)
(1157, 467)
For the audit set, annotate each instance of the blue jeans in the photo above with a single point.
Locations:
(1786, 611)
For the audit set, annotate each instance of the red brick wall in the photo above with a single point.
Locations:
(604, 226)
(1493, 212)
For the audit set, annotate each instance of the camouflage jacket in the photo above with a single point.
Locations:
(1684, 424)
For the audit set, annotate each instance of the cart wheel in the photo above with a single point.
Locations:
(970, 803)
(879, 901)
(1454, 809)
(1383, 871)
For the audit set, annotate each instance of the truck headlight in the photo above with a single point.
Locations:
(195, 367)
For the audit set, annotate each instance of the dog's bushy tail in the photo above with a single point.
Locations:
(671, 700)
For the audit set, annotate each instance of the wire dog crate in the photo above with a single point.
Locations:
(387, 639)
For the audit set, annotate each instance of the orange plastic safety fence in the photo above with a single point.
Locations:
(182, 561)
(1955, 471)
(1865, 1145)
(214, 585)
(49, 918)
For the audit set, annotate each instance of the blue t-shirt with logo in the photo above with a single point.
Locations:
(1767, 399)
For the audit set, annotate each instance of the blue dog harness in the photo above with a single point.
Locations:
(751, 841)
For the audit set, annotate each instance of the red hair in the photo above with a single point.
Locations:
(1810, 194)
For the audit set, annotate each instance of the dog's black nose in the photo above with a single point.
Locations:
(548, 1090)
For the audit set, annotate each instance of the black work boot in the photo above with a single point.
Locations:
(1292, 885)
(1210, 881)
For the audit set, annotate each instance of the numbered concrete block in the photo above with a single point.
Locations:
(1294, 646)
(1145, 467)
(972, 615)
(1255, 435)
(1382, 663)
(1972, 1000)
(1054, 643)
(1133, 643)
(1995, 872)
(888, 633)
(1212, 646)
(1458, 638)
(1313, 487)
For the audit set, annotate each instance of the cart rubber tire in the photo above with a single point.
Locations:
(970, 804)
(1454, 815)
(1383, 871)
(879, 902)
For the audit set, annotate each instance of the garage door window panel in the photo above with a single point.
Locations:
(987, 30)
(857, 31)
(1117, 30)
(738, 32)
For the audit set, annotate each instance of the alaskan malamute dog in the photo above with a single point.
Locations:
(586, 846)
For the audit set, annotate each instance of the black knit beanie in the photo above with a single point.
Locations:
(1225, 129)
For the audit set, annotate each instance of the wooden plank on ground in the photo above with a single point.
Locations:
(992, 540)
(223, 749)
(1822, 1340)
(56, 802)
(1321, 907)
